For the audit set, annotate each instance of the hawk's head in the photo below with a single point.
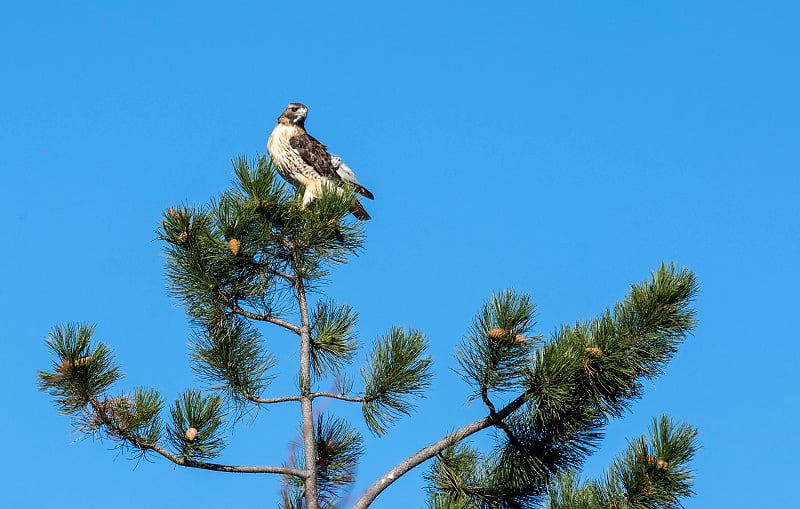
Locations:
(295, 114)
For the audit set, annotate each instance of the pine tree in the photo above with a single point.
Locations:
(255, 255)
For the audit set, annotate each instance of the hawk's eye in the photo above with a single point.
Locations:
(295, 108)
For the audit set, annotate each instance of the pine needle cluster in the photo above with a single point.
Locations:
(653, 473)
(396, 369)
(334, 342)
(80, 384)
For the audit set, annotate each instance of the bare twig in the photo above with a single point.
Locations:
(275, 272)
(241, 469)
(334, 395)
(263, 317)
(493, 414)
(486, 400)
(269, 401)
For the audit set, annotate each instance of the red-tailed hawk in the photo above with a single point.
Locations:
(304, 161)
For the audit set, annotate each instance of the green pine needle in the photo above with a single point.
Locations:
(492, 356)
(567, 492)
(322, 234)
(257, 179)
(81, 373)
(653, 473)
(230, 357)
(334, 342)
(396, 369)
(131, 418)
(197, 425)
(456, 478)
(339, 447)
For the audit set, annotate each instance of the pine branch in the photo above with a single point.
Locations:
(338, 448)
(123, 418)
(145, 445)
(455, 477)
(426, 453)
(270, 401)
(81, 372)
(396, 369)
(333, 343)
(571, 391)
(343, 397)
(237, 469)
(653, 473)
(586, 375)
(313, 395)
(492, 355)
(261, 317)
(230, 354)
(190, 463)
(229, 252)
(197, 425)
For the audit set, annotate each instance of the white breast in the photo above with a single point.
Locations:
(288, 161)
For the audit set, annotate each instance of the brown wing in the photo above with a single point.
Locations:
(314, 154)
(359, 211)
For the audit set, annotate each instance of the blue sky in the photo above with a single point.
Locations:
(560, 148)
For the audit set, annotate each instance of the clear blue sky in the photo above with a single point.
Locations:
(560, 148)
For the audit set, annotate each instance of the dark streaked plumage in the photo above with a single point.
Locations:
(303, 161)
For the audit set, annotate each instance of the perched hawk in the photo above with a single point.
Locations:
(304, 161)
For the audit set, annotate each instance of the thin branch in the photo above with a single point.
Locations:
(275, 272)
(486, 400)
(269, 401)
(512, 438)
(143, 446)
(435, 448)
(493, 414)
(334, 395)
(241, 469)
(262, 317)
(265, 318)
(322, 311)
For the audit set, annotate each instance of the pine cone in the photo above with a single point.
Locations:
(657, 462)
(234, 245)
(82, 361)
(191, 434)
(595, 352)
(64, 366)
(68, 364)
(496, 333)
